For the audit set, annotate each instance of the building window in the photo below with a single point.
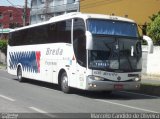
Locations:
(33, 3)
(42, 1)
(1, 15)
(1, 25)
(71, 1)
(10, 14)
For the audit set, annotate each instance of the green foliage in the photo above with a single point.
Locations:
(3, 46)
(153, 28)
(154, 16)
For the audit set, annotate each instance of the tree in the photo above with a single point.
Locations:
(153, 28)
(3, 46)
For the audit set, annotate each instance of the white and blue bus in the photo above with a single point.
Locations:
(85, 51)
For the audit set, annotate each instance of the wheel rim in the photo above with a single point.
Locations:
(64, 82)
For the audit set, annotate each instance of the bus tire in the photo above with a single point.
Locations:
(19, 74)
(64, 83)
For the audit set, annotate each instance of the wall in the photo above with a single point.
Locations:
(43, 11)
(2, 58)
(151, 62)
(12, 17)
(138, 10)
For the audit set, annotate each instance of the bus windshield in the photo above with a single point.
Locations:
(115, 54)
(116, 46)
(112, 27)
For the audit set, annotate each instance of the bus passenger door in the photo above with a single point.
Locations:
(81, 73)
(79, 46)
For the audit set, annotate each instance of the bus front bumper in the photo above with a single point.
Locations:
(110, 86)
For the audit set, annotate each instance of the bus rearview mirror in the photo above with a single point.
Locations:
(89, 42)
(149, 43)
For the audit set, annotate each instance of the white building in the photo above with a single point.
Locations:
(42, 10)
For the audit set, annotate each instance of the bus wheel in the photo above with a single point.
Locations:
(64, 83)
(19, 75)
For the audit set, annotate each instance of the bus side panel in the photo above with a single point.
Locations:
(44, 62)
(69, 62)
(10, 67)
(27, 58)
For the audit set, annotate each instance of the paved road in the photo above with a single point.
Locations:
(38, 97)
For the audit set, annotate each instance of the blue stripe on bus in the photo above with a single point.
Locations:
(27, 59)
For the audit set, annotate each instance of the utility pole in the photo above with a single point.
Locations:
(79, 5)
(46, 10)
(25, 14)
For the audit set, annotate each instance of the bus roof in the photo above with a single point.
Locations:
(86, 16)
(77, 15)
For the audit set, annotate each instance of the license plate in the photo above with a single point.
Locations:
(118, 86)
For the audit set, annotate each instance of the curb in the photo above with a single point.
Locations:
(145, 76)
(3, 68)
(149, 89)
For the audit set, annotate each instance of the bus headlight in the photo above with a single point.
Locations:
(137, 79)
(96, 78)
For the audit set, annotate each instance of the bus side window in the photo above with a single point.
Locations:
(64, 31)
(60, 32)
(79, 41)
(52, 33)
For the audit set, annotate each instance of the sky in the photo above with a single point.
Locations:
(13, 2)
